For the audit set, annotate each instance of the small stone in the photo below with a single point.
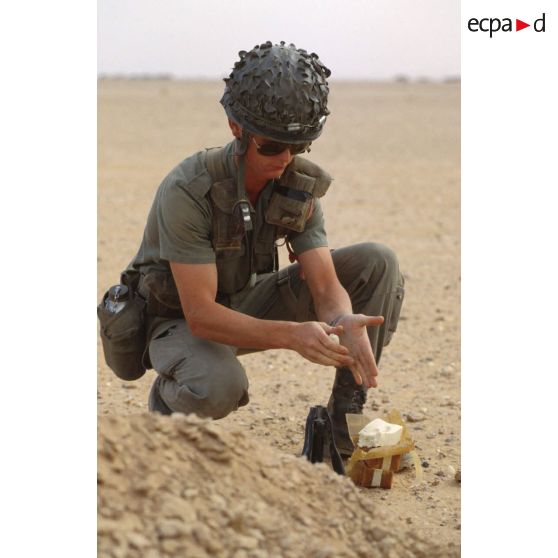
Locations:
(451, 471)
(107, 512)
(458, 475)
(377, 533)
(414, 417)
(425, 464)
(190, 492)
(118, 552)
(105, 526)
(170, 529)
(447, 371)
(171, 546)
(219, 501)
(137, 540)
(245, 542)
(142, 487)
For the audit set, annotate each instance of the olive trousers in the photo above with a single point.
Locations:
(198, 376)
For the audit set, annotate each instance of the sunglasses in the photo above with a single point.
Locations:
(271, 148)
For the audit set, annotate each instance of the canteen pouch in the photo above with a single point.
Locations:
(124, 338)
(158, 289)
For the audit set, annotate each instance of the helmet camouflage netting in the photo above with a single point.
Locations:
(279, 92)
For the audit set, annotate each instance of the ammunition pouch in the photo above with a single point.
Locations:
(292, 201)
(228, 226)
(158, 289)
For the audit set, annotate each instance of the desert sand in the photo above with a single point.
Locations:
(393, 150)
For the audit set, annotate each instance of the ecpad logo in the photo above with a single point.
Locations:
(494, 24)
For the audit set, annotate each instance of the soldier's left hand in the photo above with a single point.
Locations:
(355, 338)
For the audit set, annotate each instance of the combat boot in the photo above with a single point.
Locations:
(346, 397)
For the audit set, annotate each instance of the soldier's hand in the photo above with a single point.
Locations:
(312, 341)
(355, 339)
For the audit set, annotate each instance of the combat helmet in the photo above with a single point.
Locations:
(279, 92)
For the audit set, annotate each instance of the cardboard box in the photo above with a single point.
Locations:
(374, 467)
(374, 478)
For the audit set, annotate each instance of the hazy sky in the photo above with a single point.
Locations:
(361, 39)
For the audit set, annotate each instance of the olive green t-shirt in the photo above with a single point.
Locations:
(179, 224)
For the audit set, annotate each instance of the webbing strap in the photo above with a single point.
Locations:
(217, 168)
(215, 163)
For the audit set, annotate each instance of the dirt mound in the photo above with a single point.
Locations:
(181, 486)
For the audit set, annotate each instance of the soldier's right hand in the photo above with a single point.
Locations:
(312, 341)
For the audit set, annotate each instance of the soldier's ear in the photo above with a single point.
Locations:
(235, 129)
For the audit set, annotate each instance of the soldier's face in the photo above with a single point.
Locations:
(267, 166)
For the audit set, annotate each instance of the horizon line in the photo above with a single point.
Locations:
(165, 76)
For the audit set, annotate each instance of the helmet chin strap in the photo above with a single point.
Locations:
(242, 143)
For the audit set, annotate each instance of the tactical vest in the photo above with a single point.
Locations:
(287, 205)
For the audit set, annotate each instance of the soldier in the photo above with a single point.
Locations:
(208, 265)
